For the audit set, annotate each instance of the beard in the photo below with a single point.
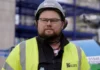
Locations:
(49, 37)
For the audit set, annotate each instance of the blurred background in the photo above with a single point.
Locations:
(17, 22)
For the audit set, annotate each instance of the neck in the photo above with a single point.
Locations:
(53, 41)
(55, 46)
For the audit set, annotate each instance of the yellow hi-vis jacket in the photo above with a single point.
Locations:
(25, 57)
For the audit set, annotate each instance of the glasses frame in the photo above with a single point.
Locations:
(52, 20)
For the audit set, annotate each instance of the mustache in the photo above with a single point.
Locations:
(48, 29)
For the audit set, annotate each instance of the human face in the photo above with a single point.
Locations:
(49, 24)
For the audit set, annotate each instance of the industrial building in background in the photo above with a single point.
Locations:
(17, 21)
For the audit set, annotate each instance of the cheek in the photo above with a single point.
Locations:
(58, 28)
(40, 28)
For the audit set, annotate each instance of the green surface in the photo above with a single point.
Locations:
(95, 66)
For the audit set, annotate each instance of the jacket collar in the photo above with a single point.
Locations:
(63, 40)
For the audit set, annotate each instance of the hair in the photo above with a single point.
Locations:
(54, 9)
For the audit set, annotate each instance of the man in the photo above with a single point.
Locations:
(50, 50)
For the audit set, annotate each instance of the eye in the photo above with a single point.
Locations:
(55, 20)
(45, 20)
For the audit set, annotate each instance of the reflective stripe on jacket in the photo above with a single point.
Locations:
(25, 57)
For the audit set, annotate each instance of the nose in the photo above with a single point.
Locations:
(49, 22)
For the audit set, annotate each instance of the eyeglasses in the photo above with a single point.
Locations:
(52, 20)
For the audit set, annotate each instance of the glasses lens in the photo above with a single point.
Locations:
(52, 20)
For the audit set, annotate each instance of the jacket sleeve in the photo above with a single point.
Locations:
(84, 62)
(13, 62)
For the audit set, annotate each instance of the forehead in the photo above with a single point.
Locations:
(50, 13)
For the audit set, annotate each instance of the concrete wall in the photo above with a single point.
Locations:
(7, 26)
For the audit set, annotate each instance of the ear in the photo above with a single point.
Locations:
(35, 23)
(65, 24)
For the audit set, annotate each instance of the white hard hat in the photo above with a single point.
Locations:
(50, 4)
